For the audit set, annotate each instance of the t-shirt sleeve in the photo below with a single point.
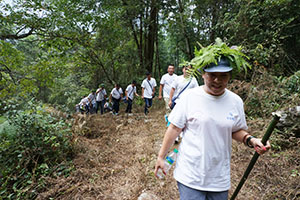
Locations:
(240, 122)
(178, 115)
(154, 83)
(162, 80)
(143, 84)
(174, 83)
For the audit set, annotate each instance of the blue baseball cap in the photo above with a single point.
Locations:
(222, 66)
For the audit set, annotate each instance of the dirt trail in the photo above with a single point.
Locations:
(117, 156)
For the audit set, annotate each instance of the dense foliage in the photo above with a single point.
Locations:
(33, 144)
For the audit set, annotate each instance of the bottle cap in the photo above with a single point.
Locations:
(175, 150)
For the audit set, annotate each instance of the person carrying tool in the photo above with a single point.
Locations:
(210, 116)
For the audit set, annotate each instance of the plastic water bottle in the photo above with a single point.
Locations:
(169, 161)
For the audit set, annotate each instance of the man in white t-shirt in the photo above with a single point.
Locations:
(83, 105)
(92, 102)
(115, 96)
(129, 93)
(210, 116)
(148, 91)
(181, 84)
(165, 87)
(101, 96)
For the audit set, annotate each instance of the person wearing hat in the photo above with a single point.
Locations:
(148, 91)
(129, 94)
(101, 96)
(210, 116)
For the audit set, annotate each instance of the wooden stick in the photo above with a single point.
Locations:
(256, 155)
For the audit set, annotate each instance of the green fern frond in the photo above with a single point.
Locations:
(213, 53)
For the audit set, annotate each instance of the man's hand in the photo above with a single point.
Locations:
(170, 104)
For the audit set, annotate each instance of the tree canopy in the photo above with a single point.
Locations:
(69, 47)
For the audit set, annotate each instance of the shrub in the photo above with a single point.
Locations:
(31, 146)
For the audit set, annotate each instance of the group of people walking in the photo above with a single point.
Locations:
(171, 87)
(98, 101)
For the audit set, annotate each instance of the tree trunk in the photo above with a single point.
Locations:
(214, 19)
(184, 31)
(151, 35)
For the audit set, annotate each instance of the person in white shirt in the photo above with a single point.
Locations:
(115, 96)
(83, 105)
(92, 102)
(181, 84)
(101, 96)
(165, 87)
(148, 91)
(210, 116)
(129, 93)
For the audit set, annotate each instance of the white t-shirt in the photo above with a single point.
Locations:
(130, 91)
(101, 94)
(84, 101)
(92, 98)
(167, 81)
(180, 83)
(205, 151)
(147, 88)
(116, 93)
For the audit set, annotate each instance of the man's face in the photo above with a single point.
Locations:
(215, 82)
(171, 69)
(185, 69)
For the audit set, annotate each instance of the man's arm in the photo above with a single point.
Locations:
(143, 92)
(110, 97)
(171, 96)
(169, 138)
(160, 91)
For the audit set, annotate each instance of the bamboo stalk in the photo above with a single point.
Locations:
(264, 140)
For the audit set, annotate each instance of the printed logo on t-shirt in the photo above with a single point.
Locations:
(230, 117)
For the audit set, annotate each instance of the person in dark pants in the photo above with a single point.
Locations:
(148, 91)
(100, 98)
(115, 96)
(129, 94)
